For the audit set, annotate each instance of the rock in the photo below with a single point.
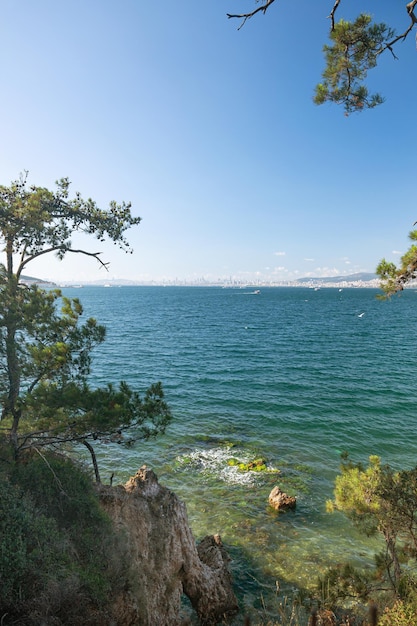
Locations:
(165, 560)
(280, 500)
(326, 618)
(257, 465)
(212, 553)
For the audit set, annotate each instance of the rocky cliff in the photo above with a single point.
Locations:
(165, 560)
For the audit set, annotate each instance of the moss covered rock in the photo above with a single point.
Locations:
(257, 465)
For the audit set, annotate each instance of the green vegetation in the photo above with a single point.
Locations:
(257, 465)
(378, 500)
(400, 614)
(60, 557)
(394, 278)
(355, 48)
(45, 351)
(59, 554)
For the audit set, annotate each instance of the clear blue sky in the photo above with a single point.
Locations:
(211, 133)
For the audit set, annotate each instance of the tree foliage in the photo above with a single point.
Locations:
(380, 500)
(45, 350)
(394, 278)
(354, 48)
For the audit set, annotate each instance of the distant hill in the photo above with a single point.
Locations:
(31, 280)
(350, 278)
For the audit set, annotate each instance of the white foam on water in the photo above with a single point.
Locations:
(215, 462)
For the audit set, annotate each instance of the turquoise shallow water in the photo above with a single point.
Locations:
(292, 375)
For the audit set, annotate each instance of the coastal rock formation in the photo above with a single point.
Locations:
(280, 500)
(165, 561)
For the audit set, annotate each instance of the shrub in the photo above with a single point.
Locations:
(60, 556)
(400, 614)
(32, 551)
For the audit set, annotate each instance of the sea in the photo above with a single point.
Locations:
(292, 376)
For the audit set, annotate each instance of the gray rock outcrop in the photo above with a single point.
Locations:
(165, 560)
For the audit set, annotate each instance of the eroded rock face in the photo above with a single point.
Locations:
(280, 500)
(164, 557)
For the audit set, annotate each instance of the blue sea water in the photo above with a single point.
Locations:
(291, 375)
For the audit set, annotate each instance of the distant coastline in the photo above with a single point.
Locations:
(359, 280)
(363, 279)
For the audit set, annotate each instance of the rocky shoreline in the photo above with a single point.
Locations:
(165, 561)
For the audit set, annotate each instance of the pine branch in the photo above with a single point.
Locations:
(333, 11)
(247, 16)
(95, 255)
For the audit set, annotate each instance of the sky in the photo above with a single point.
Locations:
(212, 135)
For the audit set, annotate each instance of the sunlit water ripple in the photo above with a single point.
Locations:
(294, 376)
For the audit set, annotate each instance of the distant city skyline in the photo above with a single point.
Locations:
(361, 279)
(212, 134)
(93, 275)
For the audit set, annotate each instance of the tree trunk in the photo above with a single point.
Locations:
(94, 459)
(13, 366)
(394, 568)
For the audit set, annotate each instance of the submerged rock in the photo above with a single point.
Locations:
(257, 465)
(280, 500)
(165, 560)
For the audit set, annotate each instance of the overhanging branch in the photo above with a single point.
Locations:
(95, 255)
(30, 258)
(333, 11)
(410, 10)
(246, 16)
(410, 7)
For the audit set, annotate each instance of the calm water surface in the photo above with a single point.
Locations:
(292, 375)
